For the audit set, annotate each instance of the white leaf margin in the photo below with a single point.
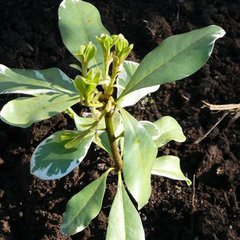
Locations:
(42, 173)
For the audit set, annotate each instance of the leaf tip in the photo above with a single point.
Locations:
(189, 182)
(220, 31)
(63, 4)
(67, 231)
(3, 69)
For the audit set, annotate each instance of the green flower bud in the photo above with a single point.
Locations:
(122, 47)
(106, 42)
(86, 53)
(90, 51)
(87, 85)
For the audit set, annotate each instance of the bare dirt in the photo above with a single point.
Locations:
(31, 209)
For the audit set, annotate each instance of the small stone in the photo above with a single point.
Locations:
(20, 214)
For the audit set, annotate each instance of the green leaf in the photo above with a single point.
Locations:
(138, 156)
(75, 140)
(35, 82)
(117, 124)
(101, 139)
(53, 90)
(52, 160)
(79, 24)
(169, 130)
(128, 68)
(25, 111)
(124, 220)
(125, 75)
(152, 129)
(76, 67)
(169, 166)
(84, 206)
(175, 58)
(81, 123)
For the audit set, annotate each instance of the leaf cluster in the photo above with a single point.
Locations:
(106, 83)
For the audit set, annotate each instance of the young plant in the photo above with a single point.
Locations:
(106, 83)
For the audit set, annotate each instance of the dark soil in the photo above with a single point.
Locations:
(31, 209)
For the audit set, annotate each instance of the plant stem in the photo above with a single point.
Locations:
(107, 61)
(113, 143)
(110, 87)
(84, 69)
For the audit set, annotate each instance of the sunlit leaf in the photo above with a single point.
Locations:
(80, 23)
(101, 139)
(152, 129)
(84, 206)
(175, 58)
(25, 111)
(81, 123)
(169, 166)
(52, 160)
(126, 73)
(169, 130)
(117, 124)
(128, 68)
(35, 82)
(138, 156)
(124, 220)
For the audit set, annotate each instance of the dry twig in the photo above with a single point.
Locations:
(221, 107)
